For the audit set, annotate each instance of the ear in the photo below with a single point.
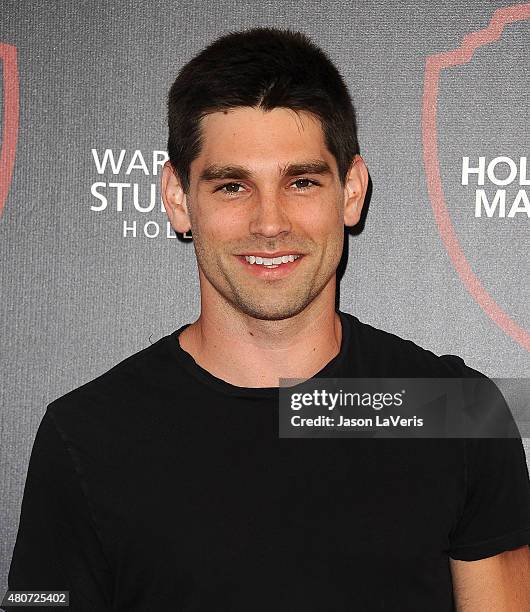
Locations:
(174, 200)
(355, 187)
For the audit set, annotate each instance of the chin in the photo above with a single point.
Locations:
(271, 312)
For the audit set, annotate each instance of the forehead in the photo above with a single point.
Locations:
(258, 138)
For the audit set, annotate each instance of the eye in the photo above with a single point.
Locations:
(230, 188)
(304, 183)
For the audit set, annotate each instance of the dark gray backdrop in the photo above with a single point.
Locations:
(78, 296)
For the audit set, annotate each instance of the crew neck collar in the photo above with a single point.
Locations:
(330, 370)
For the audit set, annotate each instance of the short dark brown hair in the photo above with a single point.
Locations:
(266, 68)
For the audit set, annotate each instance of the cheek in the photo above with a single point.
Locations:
(329, 231)
(211, 227)
(323, 222)
(219, 222)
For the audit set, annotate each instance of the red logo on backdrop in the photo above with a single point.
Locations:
(434, 65)
(8, 57)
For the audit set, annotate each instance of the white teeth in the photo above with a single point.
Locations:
(270, 261)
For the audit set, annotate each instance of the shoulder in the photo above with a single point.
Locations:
(113, 397)
(383, 353)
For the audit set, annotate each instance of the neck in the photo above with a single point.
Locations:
(249, 352)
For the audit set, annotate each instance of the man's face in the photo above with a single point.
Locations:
(265, 186)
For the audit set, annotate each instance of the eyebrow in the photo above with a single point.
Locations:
(216, 172)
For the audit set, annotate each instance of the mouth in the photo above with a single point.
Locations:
(270, 265)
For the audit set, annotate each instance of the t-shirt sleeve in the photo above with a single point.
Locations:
(57, 545)
(496, 511)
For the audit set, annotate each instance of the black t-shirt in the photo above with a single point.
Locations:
(158, 486)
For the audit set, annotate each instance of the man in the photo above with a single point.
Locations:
(164, 485)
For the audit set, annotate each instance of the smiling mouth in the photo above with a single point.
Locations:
(270, 268)
(271, 262)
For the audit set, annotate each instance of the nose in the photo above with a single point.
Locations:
(269, 217)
